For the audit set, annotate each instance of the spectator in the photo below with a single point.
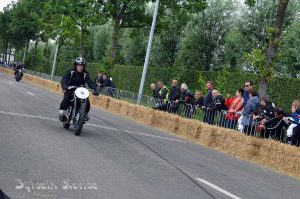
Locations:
(208, 102)
(155, 90)
(218, 107)
(99, 81)
(218, 101)
(273, 127)
(99, 78)
(199, 99)
(246, 118)
(248, 86)
(163, 96)
(235, 106)
(108, 85)
(265, 110)
(188, 99)
(296, 130)
(173, 96)
(293, 120)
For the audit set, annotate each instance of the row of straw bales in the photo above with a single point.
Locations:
(275, 155)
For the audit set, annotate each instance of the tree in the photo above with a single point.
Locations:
(123, 14)
(273, 44)
(203, 39)
(289, 50)
(75, 17)
(101, 41)
(23, 25)
(133, 46)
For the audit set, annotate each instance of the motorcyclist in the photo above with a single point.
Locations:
(18, 66)
(76, 76)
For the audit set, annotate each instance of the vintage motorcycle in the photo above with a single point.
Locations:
(19, 74)
(76, 112)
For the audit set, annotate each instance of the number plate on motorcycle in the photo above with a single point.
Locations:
(82, 93)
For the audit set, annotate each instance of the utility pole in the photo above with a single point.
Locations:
(148, 53)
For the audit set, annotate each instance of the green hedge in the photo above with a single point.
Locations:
(282, 91)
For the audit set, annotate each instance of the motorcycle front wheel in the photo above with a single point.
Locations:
(78, 124)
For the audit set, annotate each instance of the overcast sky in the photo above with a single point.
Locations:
(3, 3)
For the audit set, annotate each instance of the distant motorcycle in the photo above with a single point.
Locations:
(76, 112)
(19, 74)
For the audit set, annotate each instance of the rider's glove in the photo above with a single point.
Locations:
(95, 93)
(64, 87)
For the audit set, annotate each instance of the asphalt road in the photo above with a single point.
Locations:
(114, 158)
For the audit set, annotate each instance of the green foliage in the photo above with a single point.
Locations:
(221, 82)
(101, 41)
(202, 83)
(289, 51)
(133, 46)
(257, 59)
(282, 91)
(250, 3)
(203, 37)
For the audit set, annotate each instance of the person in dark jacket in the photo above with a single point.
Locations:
(218, 107)
(199, 99)
(99, 81)
(17, 67)
(188, 99)
(108, 85)
(99, 78)
(208, 102)
(76, 76)
(273, 127)
(265, 110)
(155, 90)
(173, 96)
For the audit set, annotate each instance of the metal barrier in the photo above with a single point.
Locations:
(243, 123)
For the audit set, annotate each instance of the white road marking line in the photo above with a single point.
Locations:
(30, 93)
(19, 88)
(218, 188)
(100, 126)
(93, 125)
(156, 136)
(28, 116)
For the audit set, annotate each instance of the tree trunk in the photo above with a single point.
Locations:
(34, 57)
(81, 42)
(114, 41)
(9, 53)
(6, 50)
(272, 48)
(26, 53)
(47, 54)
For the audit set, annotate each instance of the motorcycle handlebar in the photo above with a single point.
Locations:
(72, 87)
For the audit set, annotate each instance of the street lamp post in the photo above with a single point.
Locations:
(148, 54)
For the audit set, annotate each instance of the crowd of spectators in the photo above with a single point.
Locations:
(4, 63)
(246, 112)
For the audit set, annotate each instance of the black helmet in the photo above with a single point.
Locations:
(79, 61)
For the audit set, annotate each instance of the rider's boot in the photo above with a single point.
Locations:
(63, 116)
(87, 118)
